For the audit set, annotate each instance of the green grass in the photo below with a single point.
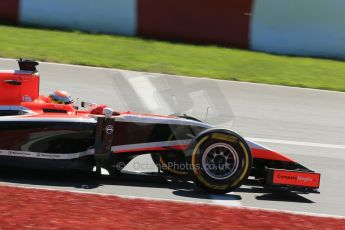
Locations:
(164, 57)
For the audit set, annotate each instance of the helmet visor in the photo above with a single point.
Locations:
(61, 100)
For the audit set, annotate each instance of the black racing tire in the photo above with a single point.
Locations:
(114, 165)
(171, 163)
(220, 161)
(114, 171)
(165, 161)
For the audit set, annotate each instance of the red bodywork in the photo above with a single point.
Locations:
(14, 94)
(21, 88)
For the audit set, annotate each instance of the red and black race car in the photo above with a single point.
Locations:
(50, 132)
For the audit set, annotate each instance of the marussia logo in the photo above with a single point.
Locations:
(109, 129)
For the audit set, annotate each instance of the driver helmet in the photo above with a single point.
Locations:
(61, 97)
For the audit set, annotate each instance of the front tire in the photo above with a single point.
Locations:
(220, 161)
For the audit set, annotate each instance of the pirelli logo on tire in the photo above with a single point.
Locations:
(223, 137)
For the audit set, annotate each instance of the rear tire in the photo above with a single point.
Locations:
(220, 161)
(171, 163)
(166, 161)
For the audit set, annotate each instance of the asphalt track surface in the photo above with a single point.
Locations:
(308, 125)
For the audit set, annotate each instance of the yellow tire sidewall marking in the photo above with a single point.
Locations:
(223, 138)
(161, 160)
(245, 170)
(182, 173)
(196, 172)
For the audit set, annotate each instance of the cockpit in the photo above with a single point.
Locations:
(19, 95)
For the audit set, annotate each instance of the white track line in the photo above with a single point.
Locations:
(169, 200)
(285, 142)
(231, 202)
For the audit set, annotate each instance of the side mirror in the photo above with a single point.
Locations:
(85, 104)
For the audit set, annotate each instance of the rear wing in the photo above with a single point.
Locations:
(27, 65)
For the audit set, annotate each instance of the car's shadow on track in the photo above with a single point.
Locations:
(86, 180)
(265, 194)
(89, 181)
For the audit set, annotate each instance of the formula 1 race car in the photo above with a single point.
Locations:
(51, 132)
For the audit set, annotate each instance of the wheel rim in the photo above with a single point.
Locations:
(220, 161)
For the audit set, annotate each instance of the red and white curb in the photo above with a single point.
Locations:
(215, 203)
